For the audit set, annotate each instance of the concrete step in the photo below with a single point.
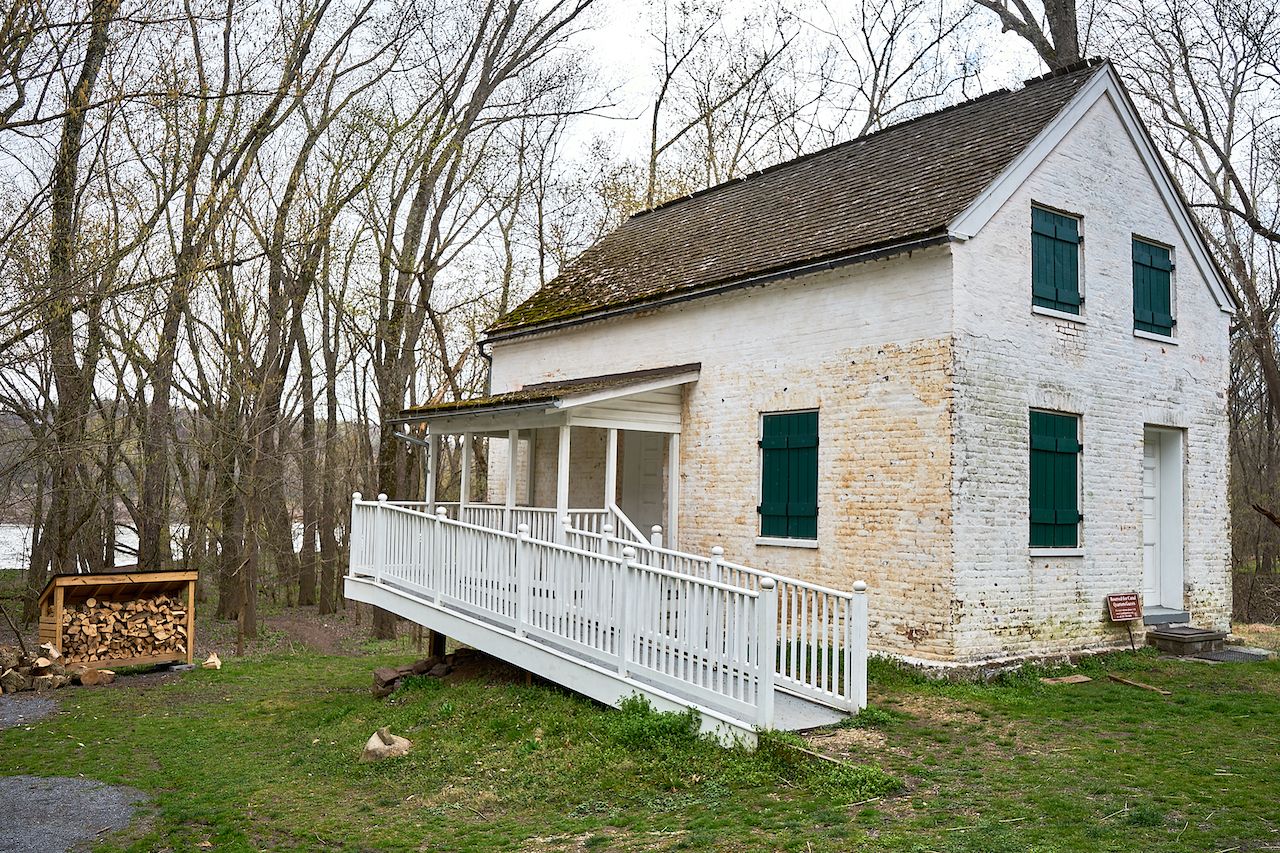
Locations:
(1185, 640)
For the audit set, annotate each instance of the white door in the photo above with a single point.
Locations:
(1162, 519)
(641, 486)
(1151, 520)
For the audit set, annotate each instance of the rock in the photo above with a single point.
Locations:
(382, 744)
(385, 675)
(382, 691)
(423, 666)
(440, 670)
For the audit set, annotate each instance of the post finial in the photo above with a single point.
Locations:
(382, 497)
(767, 582)
(657, 528)
(356, 496)
(859, 586)
(522, 529)
(606, 528)
(441, 511)
(628, 553)
(717, 551)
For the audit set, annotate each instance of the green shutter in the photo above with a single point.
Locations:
(1055, 261)
(1152, 288)
(789, 476)
(1054, 486)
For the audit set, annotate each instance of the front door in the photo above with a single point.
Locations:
(641, 487)
(1162, 519)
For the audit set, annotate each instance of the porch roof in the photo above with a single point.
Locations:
(639, 399)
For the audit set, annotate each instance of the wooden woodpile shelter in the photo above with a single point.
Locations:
(121, 618)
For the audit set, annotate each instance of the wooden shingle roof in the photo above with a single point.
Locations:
(896, 186)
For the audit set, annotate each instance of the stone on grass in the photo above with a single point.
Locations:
(383, 744)
(440, 670)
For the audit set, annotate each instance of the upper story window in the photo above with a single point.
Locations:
(1152, 288)
(789, 475)
(1055, 261)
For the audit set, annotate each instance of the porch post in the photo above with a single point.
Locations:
(562, 481)
(433, 462)
(464, 493)
(610, 468)
(673, 490)
(513, 444)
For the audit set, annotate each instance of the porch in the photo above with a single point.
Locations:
(561, 554)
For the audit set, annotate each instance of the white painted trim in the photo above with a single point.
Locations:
(779, 542)
(1055, 552)
(611, 468)
(562, 480)
(464, 472)
(673, 491)
(1057, 315)
(587, 399)
(1104, 84)
(1152, 336)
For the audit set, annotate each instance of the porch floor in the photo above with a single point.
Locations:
(791, 712)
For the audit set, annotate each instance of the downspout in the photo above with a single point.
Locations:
(488, 374)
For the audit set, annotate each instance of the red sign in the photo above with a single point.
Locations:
(1124, 606)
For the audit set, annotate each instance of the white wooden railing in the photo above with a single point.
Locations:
(711, 641)
(822, 632)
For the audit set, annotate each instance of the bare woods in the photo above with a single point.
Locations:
(238, 236)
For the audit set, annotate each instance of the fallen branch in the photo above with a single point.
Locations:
(1159, 690)
(21, 642)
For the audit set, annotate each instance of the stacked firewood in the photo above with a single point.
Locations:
(117, 630)
(46, 669)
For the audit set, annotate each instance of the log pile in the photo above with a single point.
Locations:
(45, 670)
(95, 630)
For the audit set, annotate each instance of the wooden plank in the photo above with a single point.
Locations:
(59, 600)
(118, 579)
(191, 620)
(112, 663)
(1067, 679)
(1120, 680)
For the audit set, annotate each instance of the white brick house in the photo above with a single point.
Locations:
(978, 359)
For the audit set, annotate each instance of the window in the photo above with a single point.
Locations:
(1152, 294)
(1055, 467)
(1055, 261)
(789, 476)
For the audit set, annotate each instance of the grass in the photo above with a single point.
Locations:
(262, 755)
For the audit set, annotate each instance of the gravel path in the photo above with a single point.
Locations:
(54, 814)
(19, 709)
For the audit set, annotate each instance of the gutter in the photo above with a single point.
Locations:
(738, 284)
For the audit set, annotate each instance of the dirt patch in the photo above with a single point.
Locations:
(936, 709)
(845, 743)
(328, 635)
(605, 839)
(54, 813)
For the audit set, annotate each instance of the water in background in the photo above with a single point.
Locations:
(15, 546)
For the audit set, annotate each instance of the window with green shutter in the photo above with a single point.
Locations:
(1152, 288)
(789, 476)
(1055, 261)
(1055, 470)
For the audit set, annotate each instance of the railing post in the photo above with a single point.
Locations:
(380, 538)
(362, 541)
(655, 536)
(566, 524)
(717, 567)
(606, 539)
(767, 637)
(857, 649)
(437, 563)
(524, 580)
(624, 595)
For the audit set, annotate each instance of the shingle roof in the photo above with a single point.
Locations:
(900, 184)
(550, 392)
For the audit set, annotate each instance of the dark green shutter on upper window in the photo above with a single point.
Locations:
(1055, 261)
(789, 478)
(1055, 466)
(1152, 293)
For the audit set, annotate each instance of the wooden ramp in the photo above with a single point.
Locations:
(611, 626)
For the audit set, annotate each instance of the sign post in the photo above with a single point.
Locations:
(1125, 607)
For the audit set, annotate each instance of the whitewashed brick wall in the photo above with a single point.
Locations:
(1010, 360)
(869, 347)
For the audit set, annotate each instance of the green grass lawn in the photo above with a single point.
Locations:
(262, 755)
